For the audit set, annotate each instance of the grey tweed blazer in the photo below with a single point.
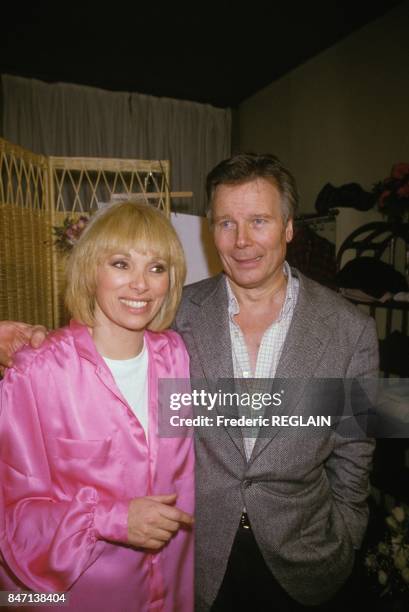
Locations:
(305, 494)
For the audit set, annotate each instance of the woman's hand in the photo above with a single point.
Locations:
(152, 521)
(14, 335)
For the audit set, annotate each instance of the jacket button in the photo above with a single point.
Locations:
(247, 483)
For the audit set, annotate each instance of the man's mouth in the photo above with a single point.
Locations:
(248, 260)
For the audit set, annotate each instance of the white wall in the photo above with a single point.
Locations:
(201, 256)
(341, 117)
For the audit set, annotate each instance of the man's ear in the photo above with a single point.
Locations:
(289, 231)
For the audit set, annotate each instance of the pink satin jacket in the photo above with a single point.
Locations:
(72, 456)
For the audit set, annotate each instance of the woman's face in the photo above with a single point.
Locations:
(131, 288)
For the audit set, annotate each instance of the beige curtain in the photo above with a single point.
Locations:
(72, 120)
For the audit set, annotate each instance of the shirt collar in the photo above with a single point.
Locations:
(234, 308)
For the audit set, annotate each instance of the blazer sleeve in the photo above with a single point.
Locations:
(46, 539)
(349, 464)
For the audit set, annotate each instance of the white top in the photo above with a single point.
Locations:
(131, 377)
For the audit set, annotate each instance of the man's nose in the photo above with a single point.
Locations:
(243, 236)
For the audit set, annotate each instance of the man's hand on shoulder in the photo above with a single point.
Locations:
(14, 335)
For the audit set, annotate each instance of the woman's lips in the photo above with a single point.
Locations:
(134, 304)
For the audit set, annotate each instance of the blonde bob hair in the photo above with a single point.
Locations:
(118, 228)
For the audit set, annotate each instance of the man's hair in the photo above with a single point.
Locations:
(245, 167)
(119, 228)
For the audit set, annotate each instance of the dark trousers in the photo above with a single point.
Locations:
(248, 585)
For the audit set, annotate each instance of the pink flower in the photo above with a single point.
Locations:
(403, 192)
(400, 170)
(69, 233)
(382, 198)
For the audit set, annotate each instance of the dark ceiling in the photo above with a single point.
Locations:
(216, 53)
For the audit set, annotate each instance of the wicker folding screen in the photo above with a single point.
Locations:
(25, 229)
(37, 193)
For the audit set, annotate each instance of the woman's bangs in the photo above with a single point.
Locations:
(135, 232)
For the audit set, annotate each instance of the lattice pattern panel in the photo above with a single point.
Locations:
(23, 177)
(25, 237)
(79, 184)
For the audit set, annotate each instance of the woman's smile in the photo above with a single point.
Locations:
(130, 290)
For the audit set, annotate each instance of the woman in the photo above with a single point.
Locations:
(93, 501)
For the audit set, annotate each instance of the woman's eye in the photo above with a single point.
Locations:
(120, 264)
(158, 268)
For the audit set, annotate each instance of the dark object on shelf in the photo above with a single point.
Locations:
(350, 195)
(372, 276)
(312, 255)
(379, 239)
(389, 473)
(374, 239)
(394, 354)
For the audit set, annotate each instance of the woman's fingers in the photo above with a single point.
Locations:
(154, 545)
(162, 535)
(175, 514)
(169, 511)
(154, 518)
(171, 526)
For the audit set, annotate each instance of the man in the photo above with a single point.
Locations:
(278, 517)
(304, 495)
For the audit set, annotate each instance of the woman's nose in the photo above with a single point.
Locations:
(139, 282)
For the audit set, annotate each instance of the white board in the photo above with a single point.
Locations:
(201, 256)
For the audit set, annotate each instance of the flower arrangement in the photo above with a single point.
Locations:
(389, 561)
(392, 194)
(69, 232)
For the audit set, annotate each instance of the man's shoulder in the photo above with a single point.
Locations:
(206, 295)
(328, 302)
(201, 290)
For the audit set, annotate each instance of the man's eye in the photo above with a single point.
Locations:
(258, 221)
(226, 224)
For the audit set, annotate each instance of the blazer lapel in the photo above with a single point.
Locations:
(212, 333)
(213, 345)
(306, 341)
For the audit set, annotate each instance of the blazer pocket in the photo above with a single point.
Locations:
(325, 542)
(294, 490)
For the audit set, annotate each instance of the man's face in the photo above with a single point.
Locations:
(250, 234)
